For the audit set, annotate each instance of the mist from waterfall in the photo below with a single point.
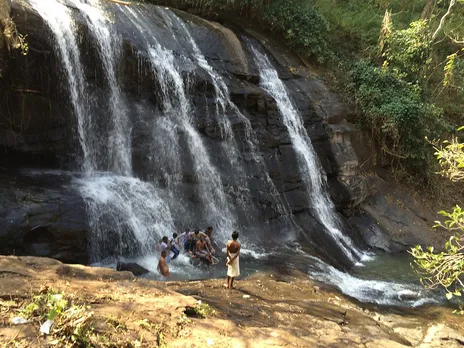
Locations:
(308, 162)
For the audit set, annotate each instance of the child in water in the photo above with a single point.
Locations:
(163, 265)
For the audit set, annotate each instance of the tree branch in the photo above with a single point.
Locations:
(442, 20)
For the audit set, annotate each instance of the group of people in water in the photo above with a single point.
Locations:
(199, 245)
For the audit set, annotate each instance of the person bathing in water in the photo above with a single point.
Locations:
(209, 239)
(168, 246)
(163, 265)
(202, 251)
(233, 266)
(175, 248)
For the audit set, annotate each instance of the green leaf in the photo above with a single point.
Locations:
(52, 314)
(449, 295)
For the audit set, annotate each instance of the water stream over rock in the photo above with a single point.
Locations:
(309, 166)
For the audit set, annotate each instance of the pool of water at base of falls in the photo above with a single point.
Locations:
(386, 280)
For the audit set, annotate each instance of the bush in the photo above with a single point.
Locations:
(304, 29)
(393, 108)
(408, 51)
(446, 268)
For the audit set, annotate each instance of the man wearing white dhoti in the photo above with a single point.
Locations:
(233, 266)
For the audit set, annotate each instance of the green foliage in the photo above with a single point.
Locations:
(450, 155)
(202, 310)
(304, 29)
(394, 109)
(407, 52)
(446, 268)
(356, 23)
(72, 323)
(46, 305)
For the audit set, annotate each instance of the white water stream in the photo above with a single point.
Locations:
(109, 44)
(61, 23)
(177, 109)
(308, 163)
(223, 104)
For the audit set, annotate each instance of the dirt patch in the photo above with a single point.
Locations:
(264, 310)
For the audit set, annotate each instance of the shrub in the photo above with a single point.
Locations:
(393, 108)
(446, 268)
(304, 29)
(407, 51)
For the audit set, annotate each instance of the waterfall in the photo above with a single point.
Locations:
(309, 166)
(58, 17)
(223, 103)
(177, 109)
(109, 44)
(127, 215)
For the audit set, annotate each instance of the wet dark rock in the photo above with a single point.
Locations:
(42, 215)
(133, 267)
(393, 220)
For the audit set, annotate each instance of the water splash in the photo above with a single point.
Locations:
(128, 217)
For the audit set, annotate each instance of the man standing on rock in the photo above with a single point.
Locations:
(233, 266)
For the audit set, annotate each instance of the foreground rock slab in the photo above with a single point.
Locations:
(263, 311)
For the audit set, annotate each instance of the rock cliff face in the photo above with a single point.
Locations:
(39, 130)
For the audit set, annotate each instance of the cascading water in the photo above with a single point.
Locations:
(126, 213)
(310, 169)
(127, 216)
(177, 109)
(60, 22)
(128, 195)
(109, 44)
(223, 103)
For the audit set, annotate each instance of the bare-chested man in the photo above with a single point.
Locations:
(233, 266)
(202, 250)
(163, 265)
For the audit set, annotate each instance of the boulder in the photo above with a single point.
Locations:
(394, 220)
(133, 267)
(42, 215)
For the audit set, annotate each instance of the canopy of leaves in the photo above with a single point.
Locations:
(301, 25)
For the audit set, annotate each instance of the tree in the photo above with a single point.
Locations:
(446, 268)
